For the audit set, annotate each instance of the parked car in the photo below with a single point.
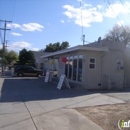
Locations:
(21, 70)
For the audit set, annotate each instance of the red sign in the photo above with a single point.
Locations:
(64, 59)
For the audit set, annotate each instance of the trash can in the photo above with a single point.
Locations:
(12, 71)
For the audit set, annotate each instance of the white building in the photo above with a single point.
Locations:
(94, 66)
(40, 63)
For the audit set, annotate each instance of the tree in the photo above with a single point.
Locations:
(23, 57)
(56, 46)
(8, 57)
(3, 53)
(120, 34)
(31, 58)
(4, 61)
(26, 57)
(11, 57)
(64, 45)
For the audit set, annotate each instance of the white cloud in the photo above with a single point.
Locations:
(89, 5)
(99, 6)
(19, 45)
(89, 15)
(27, 27)
(1, 46)
(34, 49)
(92, 14)
(32, 27)
(68, 14)
(79, 0)
(120, 23)
(13, 25)
(62, 21)
(16, 34)
(116, 9)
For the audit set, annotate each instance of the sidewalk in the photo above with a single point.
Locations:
(45, 114)
(6, 73)
(31, 104)
(65, 119)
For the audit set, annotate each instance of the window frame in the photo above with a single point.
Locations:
(80, 56)
(119, 60)
(92, 63)
(71, 59)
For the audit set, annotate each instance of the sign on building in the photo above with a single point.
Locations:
(61, 67)
(48, 77)
(62, 80)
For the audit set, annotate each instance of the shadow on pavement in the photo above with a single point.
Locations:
(32, 89)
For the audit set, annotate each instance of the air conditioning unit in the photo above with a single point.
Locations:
(121, 67)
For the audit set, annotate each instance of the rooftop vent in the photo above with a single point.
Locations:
(99, 41)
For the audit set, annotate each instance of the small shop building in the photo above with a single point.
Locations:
(98, 65)
(39, 63)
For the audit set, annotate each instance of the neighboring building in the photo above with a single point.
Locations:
(127, 66)
(40, 63)
(0, 61)
(99, 65)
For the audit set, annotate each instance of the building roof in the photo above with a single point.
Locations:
(104, 43)
(39, 53)
(79, 47)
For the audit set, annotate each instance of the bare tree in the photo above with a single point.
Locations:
(120, 34)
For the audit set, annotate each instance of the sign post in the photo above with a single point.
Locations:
(62, 80)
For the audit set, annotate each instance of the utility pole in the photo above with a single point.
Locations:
(5, 25)
(6, 44)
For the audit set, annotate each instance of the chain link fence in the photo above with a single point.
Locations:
(114, 82)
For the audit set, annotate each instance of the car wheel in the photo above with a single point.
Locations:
(39, 75)
(20, 74)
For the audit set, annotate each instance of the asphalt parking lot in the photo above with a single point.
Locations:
(28, 103)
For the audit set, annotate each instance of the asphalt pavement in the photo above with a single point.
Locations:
(28, 103)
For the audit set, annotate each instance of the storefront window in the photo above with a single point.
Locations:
(66, 67)
(80, 62)
(70, 67)
(75, 68)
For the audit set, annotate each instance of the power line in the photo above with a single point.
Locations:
(13, 9)
(122, 4)
(1, 37)
(0, 22)
(1, 34)
(120, 17)
(1, 10)
(117, 18)
(109, 4)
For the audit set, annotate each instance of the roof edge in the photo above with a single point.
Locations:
(80, 47)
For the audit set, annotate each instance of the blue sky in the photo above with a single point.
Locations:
(36, 23)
